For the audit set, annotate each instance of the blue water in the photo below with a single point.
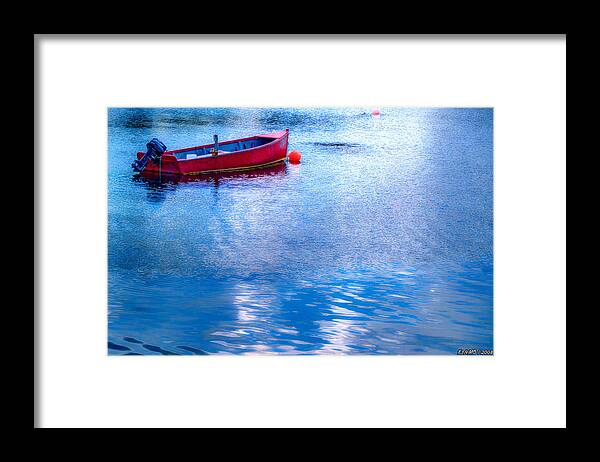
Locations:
(379, 242)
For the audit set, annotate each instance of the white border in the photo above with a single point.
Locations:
(524, 384)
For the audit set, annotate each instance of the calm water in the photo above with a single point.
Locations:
(379, 242)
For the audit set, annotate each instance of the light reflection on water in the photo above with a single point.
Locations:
(380, 242)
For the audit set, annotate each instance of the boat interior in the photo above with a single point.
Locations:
(227, 146)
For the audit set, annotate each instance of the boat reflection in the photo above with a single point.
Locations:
(153, 178)
(159, 184)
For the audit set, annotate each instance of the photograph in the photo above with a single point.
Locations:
(300, 230)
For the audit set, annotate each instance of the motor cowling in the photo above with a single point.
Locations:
(156, 149)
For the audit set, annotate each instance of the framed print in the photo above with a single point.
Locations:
(372, 234)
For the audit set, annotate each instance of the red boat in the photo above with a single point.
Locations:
(242, 154)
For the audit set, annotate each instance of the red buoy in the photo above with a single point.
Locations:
(294, 157)
(375, 112)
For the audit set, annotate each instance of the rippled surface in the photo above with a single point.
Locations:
(379, 242)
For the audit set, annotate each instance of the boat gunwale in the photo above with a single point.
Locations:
(226, 153)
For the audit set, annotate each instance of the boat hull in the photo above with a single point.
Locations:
(268, 154)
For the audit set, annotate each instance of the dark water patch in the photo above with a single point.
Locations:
(114, 346)
(139, 123)
(156, 187)
(133, 354)
(148, 118)
(141, 118)
(335, 144)
(132, 340)
(193, 350)
(157, 349)
(282, 117)
(185, 121)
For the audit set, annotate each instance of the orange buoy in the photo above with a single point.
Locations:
(294, 157)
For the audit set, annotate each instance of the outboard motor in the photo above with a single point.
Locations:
(155, 150)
